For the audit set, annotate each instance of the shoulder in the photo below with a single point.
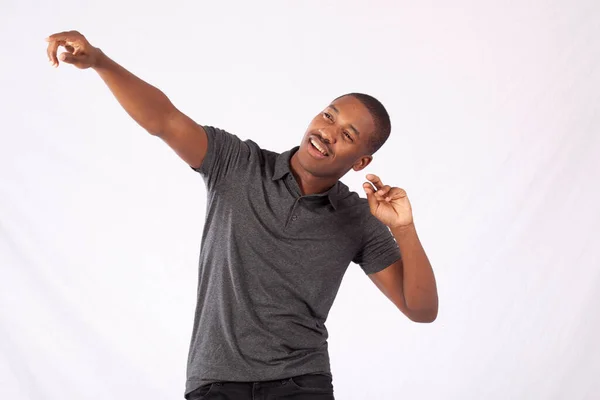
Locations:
(268, 154)
(357, 209)
(351, 201)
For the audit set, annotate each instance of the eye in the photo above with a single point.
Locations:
(328, 116)
(347, 134)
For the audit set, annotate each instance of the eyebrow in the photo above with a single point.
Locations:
(334, 108)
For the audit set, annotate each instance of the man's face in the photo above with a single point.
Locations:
(342, 130)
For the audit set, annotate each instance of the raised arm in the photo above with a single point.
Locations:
(146, 104)
(409, 282)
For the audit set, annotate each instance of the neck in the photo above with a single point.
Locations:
(309, 184)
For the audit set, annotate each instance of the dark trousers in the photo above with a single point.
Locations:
(302, 387)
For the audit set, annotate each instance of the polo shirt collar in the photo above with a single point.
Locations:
(282, 168)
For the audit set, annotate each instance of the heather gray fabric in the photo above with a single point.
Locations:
(271, 262)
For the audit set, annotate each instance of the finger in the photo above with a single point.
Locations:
(67, 39)
(368, 187)
(72, 59)
(375, 181)
(61, 36)
(77, 50)
(370, 191)
(384, 191)
(73, 46)
(394, 194)
(51, 51)
(397, 193)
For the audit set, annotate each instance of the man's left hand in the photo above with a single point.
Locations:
(389, 204)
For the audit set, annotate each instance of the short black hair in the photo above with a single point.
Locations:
(383, 126)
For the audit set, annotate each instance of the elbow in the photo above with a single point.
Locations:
(423, 316)
(156, 128)
(154, 132)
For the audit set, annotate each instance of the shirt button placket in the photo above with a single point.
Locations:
(295, 209)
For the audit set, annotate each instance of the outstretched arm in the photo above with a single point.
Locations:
(146, 104)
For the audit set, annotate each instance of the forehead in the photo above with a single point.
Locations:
(352, 111)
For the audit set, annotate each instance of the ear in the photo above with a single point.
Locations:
(362, 163)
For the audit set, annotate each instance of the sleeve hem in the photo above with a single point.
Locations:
(209, 151)
(382, 264)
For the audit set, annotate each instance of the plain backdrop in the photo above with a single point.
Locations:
(495, 109)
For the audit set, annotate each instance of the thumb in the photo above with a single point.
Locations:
(77, 60)
(373, 202)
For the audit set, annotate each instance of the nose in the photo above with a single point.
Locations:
(328, 136)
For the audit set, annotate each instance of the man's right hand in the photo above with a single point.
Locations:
(79, 52)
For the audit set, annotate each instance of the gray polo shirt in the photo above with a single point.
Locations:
(271, 263)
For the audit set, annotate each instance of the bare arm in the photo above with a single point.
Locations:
(409, 282)
(146, 104)
(419, 287)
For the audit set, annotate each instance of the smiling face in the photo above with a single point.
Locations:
(342, 130)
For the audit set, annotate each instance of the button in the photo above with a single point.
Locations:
(295, 217)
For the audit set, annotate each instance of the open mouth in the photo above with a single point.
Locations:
(317, 148)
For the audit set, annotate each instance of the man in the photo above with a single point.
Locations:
(280, 232)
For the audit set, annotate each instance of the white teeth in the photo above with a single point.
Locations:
(318, 147)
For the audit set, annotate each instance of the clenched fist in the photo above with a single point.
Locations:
(79, 52)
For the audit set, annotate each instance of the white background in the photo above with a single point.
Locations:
(495, 114)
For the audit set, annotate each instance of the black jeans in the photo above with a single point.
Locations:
(302, 387)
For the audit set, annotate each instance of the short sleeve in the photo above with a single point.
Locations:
(226, 154)
(379, 248)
